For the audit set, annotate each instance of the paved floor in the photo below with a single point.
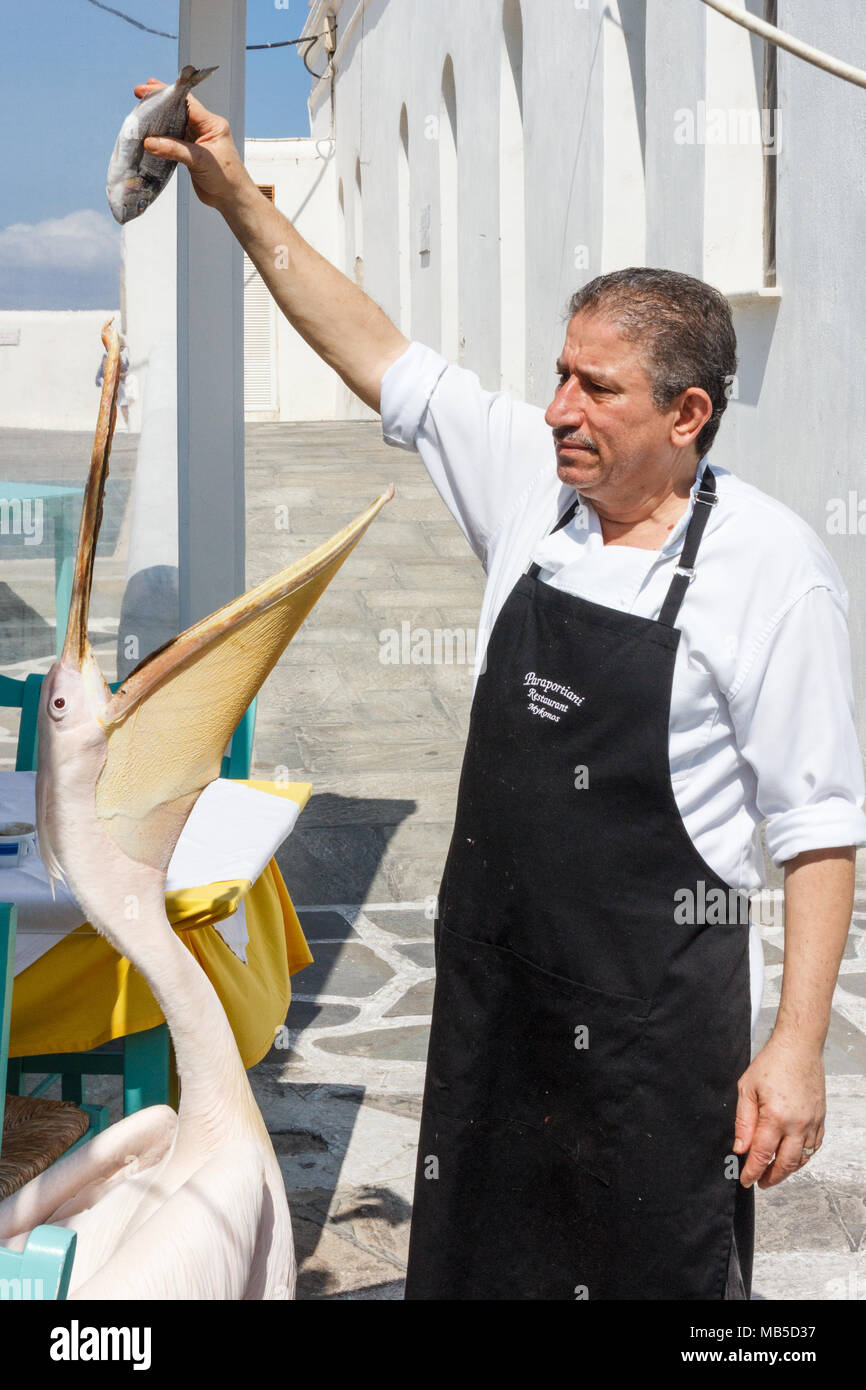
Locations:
(382, 745)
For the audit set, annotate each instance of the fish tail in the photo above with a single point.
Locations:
(190, 76)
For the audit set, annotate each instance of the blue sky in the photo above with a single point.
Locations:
(67, 70)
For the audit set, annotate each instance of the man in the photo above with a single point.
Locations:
(667, 667)
(124, 396)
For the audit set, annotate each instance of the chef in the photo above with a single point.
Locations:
(663, 668)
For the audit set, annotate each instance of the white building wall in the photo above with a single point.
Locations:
(149, 293)
(406, 45)
(623, 36)
(48, 365)
(734, 156)
(303, 176)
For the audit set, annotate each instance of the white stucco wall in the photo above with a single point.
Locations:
(149, 288)
(301, 172)
(47, 379)
(305, 189)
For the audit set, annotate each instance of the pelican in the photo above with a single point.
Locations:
(165, 1206)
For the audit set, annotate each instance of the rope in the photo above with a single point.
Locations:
(782, 40)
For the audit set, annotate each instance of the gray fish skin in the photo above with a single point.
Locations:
(136, 178)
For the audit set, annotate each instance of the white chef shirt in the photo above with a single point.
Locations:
(761, 721)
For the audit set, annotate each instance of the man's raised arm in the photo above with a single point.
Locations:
(333, 314)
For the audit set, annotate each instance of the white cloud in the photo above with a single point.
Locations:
(84, 240)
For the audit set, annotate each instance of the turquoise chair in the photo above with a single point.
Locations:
(63, 505)
(24, 695)
(144, 1060)
(43, 1268)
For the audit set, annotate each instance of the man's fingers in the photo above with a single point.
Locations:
(746, 1119)
(811, 1144)
(181, 151)
(152, 84)
(204, 123)
(763, 1146)
(197, 112)
(787, 1161)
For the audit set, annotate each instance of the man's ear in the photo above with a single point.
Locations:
(693, 411)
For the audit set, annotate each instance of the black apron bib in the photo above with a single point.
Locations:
(591, 1014)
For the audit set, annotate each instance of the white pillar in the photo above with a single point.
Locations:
(210, 325)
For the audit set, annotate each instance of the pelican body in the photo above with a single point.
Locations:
(189, 1205)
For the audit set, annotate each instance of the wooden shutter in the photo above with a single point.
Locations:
(260, 339)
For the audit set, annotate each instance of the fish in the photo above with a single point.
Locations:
(136, 178)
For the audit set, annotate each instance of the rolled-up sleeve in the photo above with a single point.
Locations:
(407, 387)
(793, 712)
(480, 447)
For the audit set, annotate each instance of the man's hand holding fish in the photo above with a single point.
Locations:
(209, 152)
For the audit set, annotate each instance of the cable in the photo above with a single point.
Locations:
(317, 75)
(159, 32)
(285, 43)
(782, 40)
(280, 43)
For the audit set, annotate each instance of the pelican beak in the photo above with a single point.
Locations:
(76, 652)
(221, 662)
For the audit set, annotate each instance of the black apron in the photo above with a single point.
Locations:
(591, 1015)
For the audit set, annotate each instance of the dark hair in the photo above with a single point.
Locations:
(684, 325)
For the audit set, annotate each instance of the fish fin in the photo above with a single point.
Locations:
(191, 76)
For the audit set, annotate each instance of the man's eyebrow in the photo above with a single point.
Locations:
(595, 373)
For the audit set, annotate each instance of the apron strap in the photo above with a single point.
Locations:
(707, 497)
(535, 570)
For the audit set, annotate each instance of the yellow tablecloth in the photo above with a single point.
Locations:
(81, 993)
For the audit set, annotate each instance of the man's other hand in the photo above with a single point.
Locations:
(781, 1111)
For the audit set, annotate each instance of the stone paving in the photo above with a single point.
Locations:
(382, 745)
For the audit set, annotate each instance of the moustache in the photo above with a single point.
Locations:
(575, 438)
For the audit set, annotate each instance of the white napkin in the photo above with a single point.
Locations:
(232, 832)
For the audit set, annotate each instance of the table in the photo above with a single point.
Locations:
(62, 504)
(75, 993)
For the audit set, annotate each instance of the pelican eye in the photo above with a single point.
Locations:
(57, 705)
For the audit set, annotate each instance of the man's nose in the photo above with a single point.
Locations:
(567, 407)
